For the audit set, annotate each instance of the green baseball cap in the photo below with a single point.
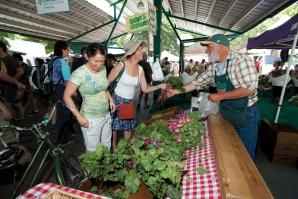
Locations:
(218, 38)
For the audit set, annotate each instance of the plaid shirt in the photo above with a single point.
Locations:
(241, 71)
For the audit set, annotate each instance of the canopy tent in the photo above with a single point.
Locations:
(277, 38)
(283, 37)
(169, 55)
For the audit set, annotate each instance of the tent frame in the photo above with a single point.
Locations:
(287, 76)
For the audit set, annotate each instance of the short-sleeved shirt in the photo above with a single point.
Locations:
(61, 71)
(92, 88)
(241, 72)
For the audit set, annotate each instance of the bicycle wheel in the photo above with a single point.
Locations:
(68, 170)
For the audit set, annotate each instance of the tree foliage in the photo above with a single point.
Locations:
(168, 39)
(49, 45)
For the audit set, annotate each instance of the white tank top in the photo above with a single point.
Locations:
(127, 85)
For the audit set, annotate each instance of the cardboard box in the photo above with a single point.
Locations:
(279, 142)
(285, 160)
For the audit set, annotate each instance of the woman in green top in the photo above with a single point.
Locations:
(90, 79)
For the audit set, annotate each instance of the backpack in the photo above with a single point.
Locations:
(47, 86)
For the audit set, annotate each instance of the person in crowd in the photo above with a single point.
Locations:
(148, 76)
(81, 61)
(132, 77)
(277, 82)
(236, 80)
(110, 62)
(61, 75)
(190, 64)
(164, 62)
(25, 80)
(7, 114)
(198, 68)
(90, 79)
(294, 76)
(11, 93)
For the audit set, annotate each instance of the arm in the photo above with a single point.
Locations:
(112, 104)
(20, 72)
(10, 79)
(203, 79)
(236, 93)
(68, 93)
(114, 72)
(244, 78)
(147, 89)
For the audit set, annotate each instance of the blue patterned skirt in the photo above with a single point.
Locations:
(117, 124)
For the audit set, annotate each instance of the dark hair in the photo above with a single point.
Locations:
(83, 50)
(3, 46)
(111, 56)
(95, 48)
(59, 45)
(18, 56)
(39, 61)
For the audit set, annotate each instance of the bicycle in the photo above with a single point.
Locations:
(67, 167)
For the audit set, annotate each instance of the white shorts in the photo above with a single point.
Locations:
(99, 130)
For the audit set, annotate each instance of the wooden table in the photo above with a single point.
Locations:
(239, 175)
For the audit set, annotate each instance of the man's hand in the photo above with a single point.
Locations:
(216, 98)
(171, 92)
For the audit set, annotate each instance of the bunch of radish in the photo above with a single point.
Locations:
(176, 124)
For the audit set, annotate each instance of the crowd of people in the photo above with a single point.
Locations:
(95, 88)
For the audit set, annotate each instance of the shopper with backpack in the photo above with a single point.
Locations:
(61, 74)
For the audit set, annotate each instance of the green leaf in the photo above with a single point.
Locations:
(132, 182)
(201, 171)
(121, 175)
(172, 173)
(174, 193)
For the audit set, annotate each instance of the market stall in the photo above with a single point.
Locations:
(179, 156)
(283, 37)
(238, 173)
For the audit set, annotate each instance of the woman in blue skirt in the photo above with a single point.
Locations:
(132, 77)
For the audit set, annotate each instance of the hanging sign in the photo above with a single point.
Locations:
(137, 22)
(152, 18)
(51, 6)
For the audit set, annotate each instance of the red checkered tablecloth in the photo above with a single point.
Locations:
(41, 190)
(194, 184)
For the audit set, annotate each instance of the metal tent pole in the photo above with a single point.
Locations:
(287, 76)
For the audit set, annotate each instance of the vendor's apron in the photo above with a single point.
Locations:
(233, 110)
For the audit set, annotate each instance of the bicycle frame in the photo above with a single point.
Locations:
(52, 150)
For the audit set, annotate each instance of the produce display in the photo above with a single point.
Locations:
(264, 82)
(154, 156)
(175, 83)
(294, 100)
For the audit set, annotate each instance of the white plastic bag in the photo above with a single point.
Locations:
(186, 78)
(157, 72)
(207, 107)
(279, 81)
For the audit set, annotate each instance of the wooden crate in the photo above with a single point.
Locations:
(59, 194)
(279, 142)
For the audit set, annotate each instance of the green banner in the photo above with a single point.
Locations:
(137, 22)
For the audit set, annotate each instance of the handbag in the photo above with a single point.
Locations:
(113, 84)
(126, 111)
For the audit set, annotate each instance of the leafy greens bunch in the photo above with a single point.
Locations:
(152, 156)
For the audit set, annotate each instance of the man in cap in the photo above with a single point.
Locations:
(236, 81)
